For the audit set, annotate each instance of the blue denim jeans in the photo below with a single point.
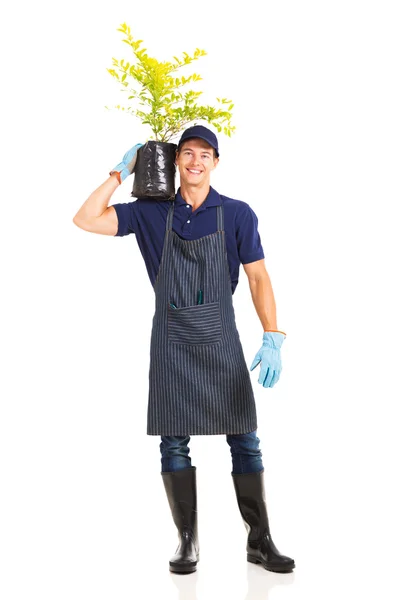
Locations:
(245, 451)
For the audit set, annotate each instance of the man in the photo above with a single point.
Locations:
(198, 380)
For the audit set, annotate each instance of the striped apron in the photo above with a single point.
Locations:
(199, 383)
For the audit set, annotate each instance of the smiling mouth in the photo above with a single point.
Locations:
(194, 171)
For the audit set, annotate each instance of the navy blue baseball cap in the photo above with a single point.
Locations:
(198, 131)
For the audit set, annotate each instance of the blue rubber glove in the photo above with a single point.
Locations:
(126, 167)
(269, 355)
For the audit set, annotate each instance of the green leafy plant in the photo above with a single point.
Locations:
(167, 109)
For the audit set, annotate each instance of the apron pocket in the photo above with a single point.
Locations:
(195, 325)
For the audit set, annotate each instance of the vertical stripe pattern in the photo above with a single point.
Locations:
(199, 383)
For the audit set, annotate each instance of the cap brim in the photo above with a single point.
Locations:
(193, 137)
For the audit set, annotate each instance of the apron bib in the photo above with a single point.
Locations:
(199, 383)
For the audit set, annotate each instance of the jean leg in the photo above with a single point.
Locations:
(246, 454)
(175, 453)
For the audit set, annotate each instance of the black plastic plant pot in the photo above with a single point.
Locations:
(154, 172)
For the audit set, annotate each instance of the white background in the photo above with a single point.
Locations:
(316, 155)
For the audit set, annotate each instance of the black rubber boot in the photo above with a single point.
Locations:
(182, 497)
(250, 494)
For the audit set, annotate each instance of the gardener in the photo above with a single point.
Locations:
(199, 384)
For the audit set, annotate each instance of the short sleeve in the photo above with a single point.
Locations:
(247, 236)
(127, 218)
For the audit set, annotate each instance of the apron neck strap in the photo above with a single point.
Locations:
(170, 217)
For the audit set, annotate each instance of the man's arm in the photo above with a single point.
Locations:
(94, 216)
(262, 294)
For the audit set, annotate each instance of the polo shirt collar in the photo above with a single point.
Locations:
(213, 199)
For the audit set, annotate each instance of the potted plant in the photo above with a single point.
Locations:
(161, 103)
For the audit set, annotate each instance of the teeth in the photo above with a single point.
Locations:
(193, 171)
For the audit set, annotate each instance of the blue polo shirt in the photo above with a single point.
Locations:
(146, 218)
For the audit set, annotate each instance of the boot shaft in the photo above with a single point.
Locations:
(250, 495)
(181, 490)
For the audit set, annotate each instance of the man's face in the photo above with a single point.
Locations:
(195, 162)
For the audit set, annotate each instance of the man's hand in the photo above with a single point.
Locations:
(269, 355)
(127, 166)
